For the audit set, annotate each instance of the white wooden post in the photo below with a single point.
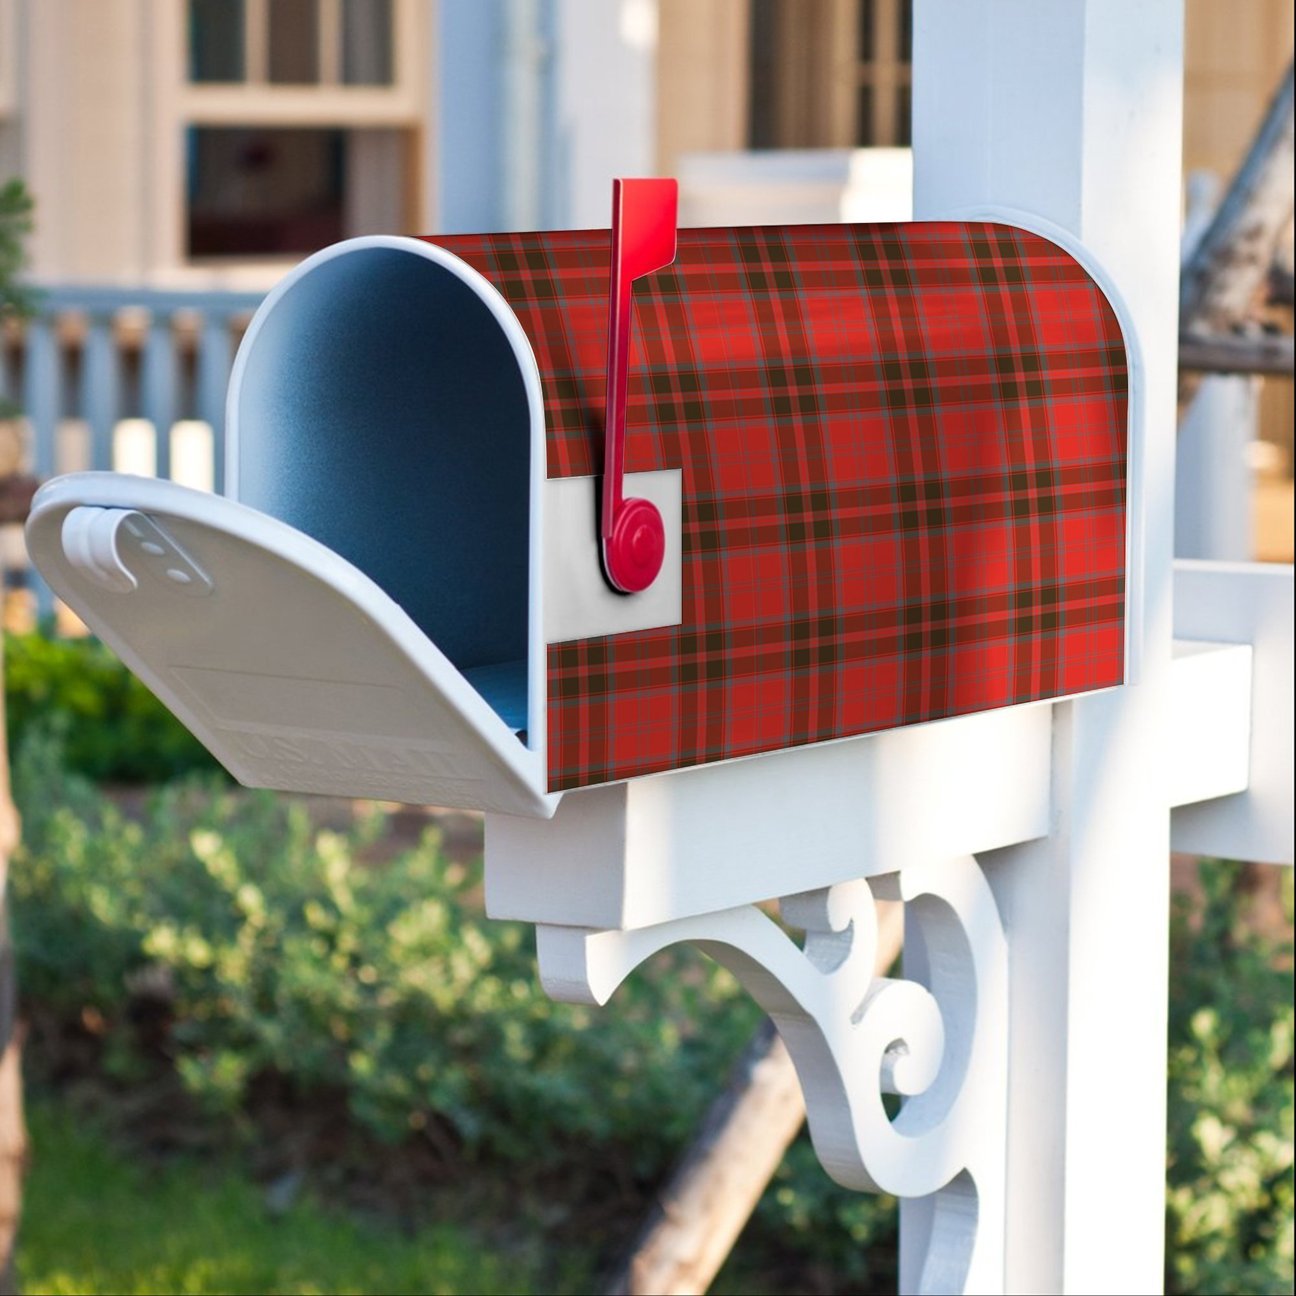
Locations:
(1214, 515)
(1072, 112)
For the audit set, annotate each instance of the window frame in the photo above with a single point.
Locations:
(181, 104)
(255, 100)
(817, 92)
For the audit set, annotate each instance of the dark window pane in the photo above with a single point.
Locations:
(294, 42)
(864, 116)
(216, 40)
(367, 42)
(267, 192)
(763, 72)
(904, 116)
(866, 19)
(906, 31)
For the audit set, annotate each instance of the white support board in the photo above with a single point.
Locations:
(1246, 603)
(579, 603)
(700, 840)
(1208, 753)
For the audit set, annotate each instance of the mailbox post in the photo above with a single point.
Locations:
(968, 433)
(1074, 112)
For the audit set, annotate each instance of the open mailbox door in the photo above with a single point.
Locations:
(293, 667)
(363, 620)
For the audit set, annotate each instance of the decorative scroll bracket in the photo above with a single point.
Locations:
(938, 1037)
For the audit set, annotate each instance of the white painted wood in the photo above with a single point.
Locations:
(289, 664)
(796, 186)
(1072, 112)
(854, 1036)
(1213, 486)
(1208, 746)
(579, 603)
(604, 105)
(1248, 603)
(693, 842)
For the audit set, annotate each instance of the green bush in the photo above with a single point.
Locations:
(1230, 1199)
(113, 728)
(282, 953)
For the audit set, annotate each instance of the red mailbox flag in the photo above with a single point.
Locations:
(643, 240)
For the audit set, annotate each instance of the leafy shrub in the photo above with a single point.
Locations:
(113, 728)
(283, 954)
(848, 1239)
(1230, 1198)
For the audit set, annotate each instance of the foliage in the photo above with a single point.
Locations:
(94, 1221)
(280, 951)
(1230, 1198)
(15, 224)
(112, 727)
(283, 954)
(847, 1238)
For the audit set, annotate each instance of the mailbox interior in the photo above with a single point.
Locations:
(386, 403)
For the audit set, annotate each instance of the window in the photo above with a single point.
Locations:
(264, 192)
(293, 53)
(884, 71)
(291, 42)
(216, 49)
(366, 42)
(297, 123)
(830, 74)
(257, 192)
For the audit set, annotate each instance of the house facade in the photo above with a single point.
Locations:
(205, 146)
(210, 143)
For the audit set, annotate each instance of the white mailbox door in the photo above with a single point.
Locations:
(287, 662)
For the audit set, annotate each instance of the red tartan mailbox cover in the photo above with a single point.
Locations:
(898, 456)
(903, 451)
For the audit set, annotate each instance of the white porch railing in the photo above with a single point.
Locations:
(131, 380)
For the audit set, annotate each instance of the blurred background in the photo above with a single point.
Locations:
(256, 1060)
(182, 155)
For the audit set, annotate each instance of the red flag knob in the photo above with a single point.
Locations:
(633, 553)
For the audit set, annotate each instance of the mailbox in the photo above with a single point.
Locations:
(887, 463)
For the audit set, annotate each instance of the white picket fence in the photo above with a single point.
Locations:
(134, 381)
(131, 380)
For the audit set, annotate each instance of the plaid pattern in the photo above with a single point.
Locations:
(903, 451)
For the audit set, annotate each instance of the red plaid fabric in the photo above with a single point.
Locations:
(903, 451)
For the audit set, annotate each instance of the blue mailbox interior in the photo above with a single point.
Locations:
(382, 411)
